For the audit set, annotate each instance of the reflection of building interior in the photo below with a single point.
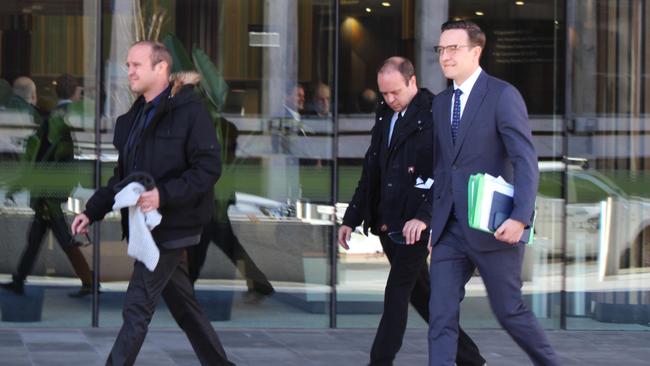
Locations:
(595, 249)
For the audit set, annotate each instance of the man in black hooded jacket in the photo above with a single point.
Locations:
(168, 134)
(392, 199)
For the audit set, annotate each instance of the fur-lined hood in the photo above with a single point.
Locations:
(180, 79)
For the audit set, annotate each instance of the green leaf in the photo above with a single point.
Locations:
(212, 83)
(180, 57)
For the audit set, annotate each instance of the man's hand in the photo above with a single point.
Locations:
(80, 224)
(413, 230)
(345, 232)
(149, 200)
(510, 231)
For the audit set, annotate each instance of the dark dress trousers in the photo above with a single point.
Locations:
(494, 137)
(385, 198)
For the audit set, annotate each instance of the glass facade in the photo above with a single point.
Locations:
(291, 86)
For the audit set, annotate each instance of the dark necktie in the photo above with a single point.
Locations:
(455, 117)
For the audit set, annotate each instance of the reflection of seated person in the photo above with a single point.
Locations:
(367, 101)
(23, 99)
(68, 91)
(52, 143)
(219, 231)
(319, 105)
(294, 102)
(289, 122)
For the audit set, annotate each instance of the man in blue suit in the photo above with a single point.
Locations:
(481, 127)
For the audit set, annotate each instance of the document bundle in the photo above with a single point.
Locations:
(490, 203)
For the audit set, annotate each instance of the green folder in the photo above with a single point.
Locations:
(481, 210)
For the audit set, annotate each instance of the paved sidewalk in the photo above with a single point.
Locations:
(289, 347)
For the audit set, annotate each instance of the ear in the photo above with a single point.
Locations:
(162, 66)
(477, 52)
(413, 81)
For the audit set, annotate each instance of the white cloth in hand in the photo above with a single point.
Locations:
(142, 247)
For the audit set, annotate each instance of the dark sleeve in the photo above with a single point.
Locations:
(354, 214)
(424, 165)
(514, 128)
(203, 154)
(102, 200)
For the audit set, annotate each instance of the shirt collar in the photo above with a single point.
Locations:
(468, 84)
(295, 115)
(155, 101)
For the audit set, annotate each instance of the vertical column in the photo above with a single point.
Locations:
(429, 16)
(281, 169)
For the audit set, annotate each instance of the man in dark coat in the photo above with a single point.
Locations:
(168, 134)
(393, 200)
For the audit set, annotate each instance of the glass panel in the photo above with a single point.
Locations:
(263, 260)
(47, 96)
(608, 251)
(524, 44)
(525, 47)
(363, 269)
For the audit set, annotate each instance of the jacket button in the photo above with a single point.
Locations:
(390, 184)
(380, 118)
(455, 167)
(423, 195)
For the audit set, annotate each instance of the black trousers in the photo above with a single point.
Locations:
(171, 280)
(48, 215)
(222, 235)
(408, 279)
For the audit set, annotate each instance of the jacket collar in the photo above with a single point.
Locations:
(473, 104)
(410, 123)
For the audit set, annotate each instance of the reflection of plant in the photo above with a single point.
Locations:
(142, 31)
(213, 87)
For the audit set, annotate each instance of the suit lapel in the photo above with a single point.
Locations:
(444, 123)
(474, 102)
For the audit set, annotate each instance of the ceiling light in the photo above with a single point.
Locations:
(479, 13)
(385, 3)
(368, 10)
(520, 3)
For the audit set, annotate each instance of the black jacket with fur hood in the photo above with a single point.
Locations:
(179, 149)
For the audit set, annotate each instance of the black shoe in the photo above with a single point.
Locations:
(16, 287)
(255, 297)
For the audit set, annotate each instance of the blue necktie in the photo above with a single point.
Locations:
(455, 118)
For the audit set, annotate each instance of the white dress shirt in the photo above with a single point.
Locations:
(466, 88)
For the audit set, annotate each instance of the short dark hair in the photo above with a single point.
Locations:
(397, 63)
(65, 86)
(159, 52)
(474, 32)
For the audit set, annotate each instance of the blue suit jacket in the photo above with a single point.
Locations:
(494, 137)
